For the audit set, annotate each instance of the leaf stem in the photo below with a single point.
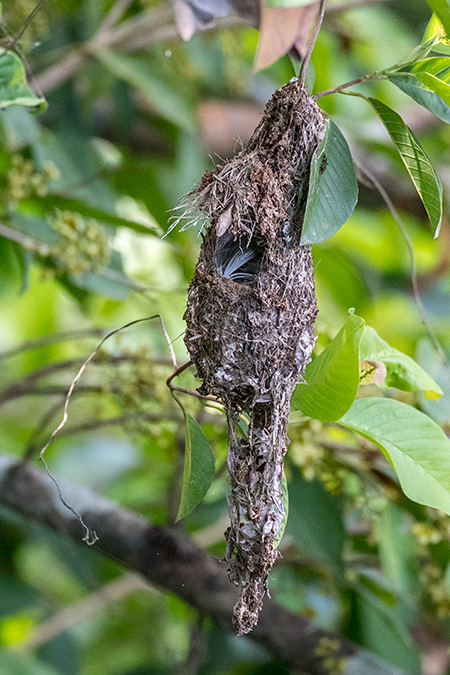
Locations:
(336, 90)
(312, 42)
(183, 390)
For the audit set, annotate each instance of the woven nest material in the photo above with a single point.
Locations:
(250, 321)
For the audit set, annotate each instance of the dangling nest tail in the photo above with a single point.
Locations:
(250, 321)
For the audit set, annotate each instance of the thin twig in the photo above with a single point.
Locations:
(26, 23)
(90, 425)
(312, 42)
(32, 446)
(90, 537)
(22, 239)
(340, 87)
(48, 340)
(83, 368)
(23, 386)
(415, 286)
(125, 37)
(114, 15)
(183, 390)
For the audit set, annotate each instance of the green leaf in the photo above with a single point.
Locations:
(332, 379)
(14, 89)
(199, 467)
(433, 32)
(442, 9)
(435, 36)
(397, 548)
(383, 629)
(415, 88)
(416, 447)
(402, 371)
(432, 29)
(416, 161)
(442, 89)
(428, 358)
(333, 190)
(167, 102)
(380, 592)
(21, 128)
(315, 521)
(435, 65)
(426, 82)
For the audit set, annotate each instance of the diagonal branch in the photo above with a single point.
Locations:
(169, 559)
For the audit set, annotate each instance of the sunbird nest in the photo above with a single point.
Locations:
(250, 321)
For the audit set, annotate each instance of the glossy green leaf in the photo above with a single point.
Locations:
(333, 190)
(415, 88)
(402, 371)
(432, 29)
(442, 9)
(199, 467)
(441, 88)
(416, 161)
(435, 65)
(14, 89)
(332, 379)
(163, 98)
(435, 34)
(417, 448)
(426, 81)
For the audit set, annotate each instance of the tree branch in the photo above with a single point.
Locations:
(169, 559)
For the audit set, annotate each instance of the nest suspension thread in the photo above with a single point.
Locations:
(250, 321)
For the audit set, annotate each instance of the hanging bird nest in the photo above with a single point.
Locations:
(250, 321)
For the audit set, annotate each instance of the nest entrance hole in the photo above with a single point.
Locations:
(239, 257)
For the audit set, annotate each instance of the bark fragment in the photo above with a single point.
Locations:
(250, 321)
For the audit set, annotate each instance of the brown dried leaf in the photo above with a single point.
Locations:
(281, 29)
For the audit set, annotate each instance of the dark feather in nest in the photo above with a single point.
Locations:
(250, 321)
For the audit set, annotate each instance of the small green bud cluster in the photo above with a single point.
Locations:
(435, 587)
(136, 382)
(137, 379)
(83, 243)
(305, 452)
(327, 649)
(435, 582)
(426, 534)
(24, 179)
